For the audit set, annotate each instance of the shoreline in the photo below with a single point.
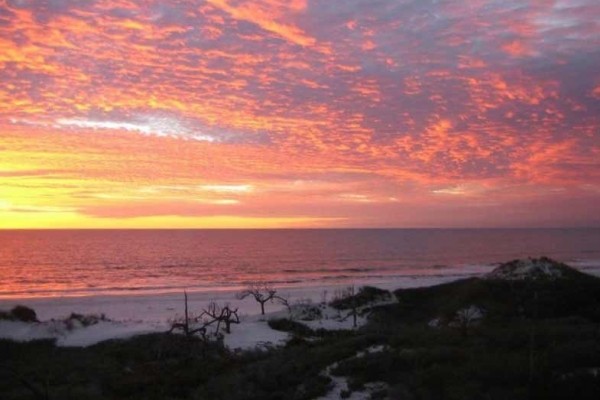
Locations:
(157, 305)
(133, 315)
(432, 276)
(371, 277)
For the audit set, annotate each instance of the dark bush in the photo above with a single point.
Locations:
(23, 313)
(365, 295)
(84, 320)
(532, 346)
(287, 325)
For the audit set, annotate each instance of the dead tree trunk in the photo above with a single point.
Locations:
(261, 293)
(262, 306)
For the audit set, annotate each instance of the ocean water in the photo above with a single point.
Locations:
(55, 263)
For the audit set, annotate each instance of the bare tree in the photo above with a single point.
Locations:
(212, 314)
(186, 324)
(262, 292)
(219, 314)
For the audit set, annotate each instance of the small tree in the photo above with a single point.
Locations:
(220, 315)
(261, 292)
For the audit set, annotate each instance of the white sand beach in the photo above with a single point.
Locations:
(128, 316)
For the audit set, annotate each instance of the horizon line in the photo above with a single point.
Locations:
(301, 228)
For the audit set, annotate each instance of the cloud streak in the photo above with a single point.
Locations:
(162, 127)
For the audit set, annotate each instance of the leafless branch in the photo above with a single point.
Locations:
(261, 292)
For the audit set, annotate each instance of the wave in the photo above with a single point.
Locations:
(329, 270)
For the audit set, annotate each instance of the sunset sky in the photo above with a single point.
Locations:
(299, 113)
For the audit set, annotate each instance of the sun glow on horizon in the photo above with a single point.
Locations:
(41, 219)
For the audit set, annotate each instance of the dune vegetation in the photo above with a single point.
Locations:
(494, 337)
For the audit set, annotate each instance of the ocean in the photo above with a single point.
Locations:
(68, 263)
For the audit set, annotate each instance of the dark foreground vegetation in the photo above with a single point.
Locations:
(470, 339)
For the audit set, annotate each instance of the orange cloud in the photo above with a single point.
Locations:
(517, 48)
(275, 112)
(265, 14)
